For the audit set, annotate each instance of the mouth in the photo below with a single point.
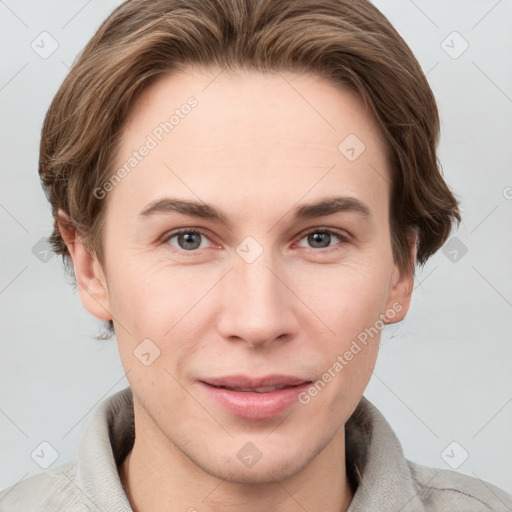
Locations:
(254, 397)
(264, 389)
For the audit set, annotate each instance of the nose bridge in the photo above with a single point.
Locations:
(255, 303)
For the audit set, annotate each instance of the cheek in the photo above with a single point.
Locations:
(149, 298)
(164, 304)
(348, 294)
(146, 295)
(348, 301)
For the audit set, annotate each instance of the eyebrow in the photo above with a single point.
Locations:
(322, 208)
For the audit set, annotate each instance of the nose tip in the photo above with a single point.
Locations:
(256, 306)
(255, 343)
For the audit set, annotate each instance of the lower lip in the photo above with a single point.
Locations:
(247, 404)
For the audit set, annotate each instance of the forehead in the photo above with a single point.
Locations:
(265, 135)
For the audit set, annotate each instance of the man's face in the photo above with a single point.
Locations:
(262, 292)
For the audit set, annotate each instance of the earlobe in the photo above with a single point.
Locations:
(401, 286)
(88, 271)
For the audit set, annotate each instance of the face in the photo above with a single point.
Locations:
(221, 271)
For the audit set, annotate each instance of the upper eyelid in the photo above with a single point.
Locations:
(337, 232)
(344, 236)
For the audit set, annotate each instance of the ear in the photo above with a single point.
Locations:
(89, 274)
(401, 286)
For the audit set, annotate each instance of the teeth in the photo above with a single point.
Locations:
(266, 389)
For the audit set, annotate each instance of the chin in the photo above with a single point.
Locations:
(261, 474)
(266, 470)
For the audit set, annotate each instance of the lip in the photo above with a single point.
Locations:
(252, 404)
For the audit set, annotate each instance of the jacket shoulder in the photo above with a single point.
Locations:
(444, 489)
(51, 490)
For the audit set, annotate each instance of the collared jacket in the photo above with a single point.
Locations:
(385, 480)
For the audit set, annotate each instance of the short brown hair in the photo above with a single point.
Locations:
(348, 42)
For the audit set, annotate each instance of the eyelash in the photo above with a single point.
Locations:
(197, 231)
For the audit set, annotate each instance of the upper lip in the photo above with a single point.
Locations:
(244, 381)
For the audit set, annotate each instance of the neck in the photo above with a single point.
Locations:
(158, 476)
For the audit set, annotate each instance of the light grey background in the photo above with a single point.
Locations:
(443, 375)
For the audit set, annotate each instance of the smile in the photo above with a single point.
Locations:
(254, 398)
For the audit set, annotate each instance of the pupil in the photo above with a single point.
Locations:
(189, 239)
(317, 238)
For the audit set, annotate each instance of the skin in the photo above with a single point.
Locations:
(256, 147)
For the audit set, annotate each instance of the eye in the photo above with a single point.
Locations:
(321, 238)
(190, 240)
(186, 240)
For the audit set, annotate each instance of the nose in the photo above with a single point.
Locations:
(257, 306)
